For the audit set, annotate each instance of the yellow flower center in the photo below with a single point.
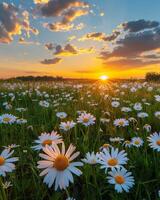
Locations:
(61, 162)
(2, 160)
(112, 162)
(127, 142)
(119, 179)
(45, 142)
(85, 120)
(121, 123)
(137, 142)
(158, 142)
(106, 146)
(6, 119)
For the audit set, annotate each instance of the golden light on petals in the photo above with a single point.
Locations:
(61, 162)
(119, 179)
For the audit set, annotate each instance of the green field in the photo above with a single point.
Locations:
(35, 106)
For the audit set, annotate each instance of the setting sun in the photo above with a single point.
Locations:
(103, 77)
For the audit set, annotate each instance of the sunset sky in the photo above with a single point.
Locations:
(81, 39)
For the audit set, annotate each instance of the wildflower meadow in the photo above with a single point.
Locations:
(79, 140)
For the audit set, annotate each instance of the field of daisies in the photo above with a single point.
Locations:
(79, 141)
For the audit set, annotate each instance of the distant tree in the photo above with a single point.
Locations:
(152, 76)
(39, 78)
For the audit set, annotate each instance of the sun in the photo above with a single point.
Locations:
(104, 77)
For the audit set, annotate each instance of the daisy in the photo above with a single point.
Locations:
(137, 106)
(157, 114)
(154, 141)
(137, 141)
(142, 115)
(6, 163)
(126, 109)
(127, 143)
(112, 158)
(121, 122)
(86, 119)
(116, 139)
(115, 104)
(44, 104)
(122, 179)
(66, 126)
(7, 119)
(91, 158)
(47, 139)
(147, 127)
(61, 115)
(58, 166)
(105, 146)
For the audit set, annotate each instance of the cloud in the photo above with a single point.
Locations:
(133, 43)
(69, 50)
(55, 8)
(99, 36)
(52, 61)
(135, 26)
(66, 51)
(49, 46)
(66, 10)
(59, 27)
(72, 14)
(13, 22)
(40, 1)
(65, 23)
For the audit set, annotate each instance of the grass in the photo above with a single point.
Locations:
(92, 184)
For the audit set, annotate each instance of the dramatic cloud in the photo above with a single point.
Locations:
(55, 8)
(69, 50)
(13, 22)
(51, 61)
(129, 48)
(99, 36)
(135, 26)
(59, 27)
(67, 10)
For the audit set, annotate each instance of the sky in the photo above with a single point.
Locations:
(79, 38)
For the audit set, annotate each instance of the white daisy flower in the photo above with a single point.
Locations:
(121, 122)
(66, 126)
(122, 179)
(137, 106)
(47, 139)
(44, 104)
(115, 104)
(91, 158)
(7, 119)
(58, 166)
(147, 127)
(157, 114)
(61, 115)
(86, 119)
(127, 143)
(154, 141)
(112, 158)
(6, 163)
(142, 115)
(137, 141)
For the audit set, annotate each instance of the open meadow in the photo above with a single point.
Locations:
(83, 141)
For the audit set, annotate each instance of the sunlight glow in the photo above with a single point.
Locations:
(103, 77)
